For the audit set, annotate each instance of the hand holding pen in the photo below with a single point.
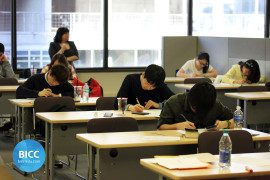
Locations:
(137, 107)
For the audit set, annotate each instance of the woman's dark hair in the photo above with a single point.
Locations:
(59, 33)
(154, 75)
(204, 56)
(254, 68)
(60, 58)
(202, 97)
(2, 48)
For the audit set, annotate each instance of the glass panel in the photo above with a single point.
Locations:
(5, 26)
(228, 18)
(136, 28)
(38, 21)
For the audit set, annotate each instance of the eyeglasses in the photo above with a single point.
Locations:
(203, 64)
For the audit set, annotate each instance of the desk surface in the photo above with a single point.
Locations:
(8, 88)
(21, 81)
(250, 95)
(256, 161)
(174, 80)
(217, 86)
(29, 103)
(146, 138)
(85, 116)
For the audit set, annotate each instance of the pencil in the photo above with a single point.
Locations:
(137, 100)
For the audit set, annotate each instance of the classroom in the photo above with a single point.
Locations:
(134, 89)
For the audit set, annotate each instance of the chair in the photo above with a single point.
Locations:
(105, 103)
(115, 124)
(241, 142)
(8, 81)
(252, 88)
(196, 80)
(52, 104)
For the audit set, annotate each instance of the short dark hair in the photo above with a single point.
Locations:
(202, 97)
(60, 73)
(254, 68)
(59, 33)
(204, 55)
(2, 48)
(154, 75)
(60, 58)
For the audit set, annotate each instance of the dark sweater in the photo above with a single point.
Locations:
(36, 83)
(131, 88)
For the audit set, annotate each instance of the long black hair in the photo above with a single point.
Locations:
(254, 68)
(59, 33)
(204, 56)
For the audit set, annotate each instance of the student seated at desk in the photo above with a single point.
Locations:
(145, 90)
(243, 73)
(54, 83)
(198, 67)
(197, 108)
(6, 70)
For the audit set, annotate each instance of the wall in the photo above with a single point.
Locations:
(110, 81)
(224, 52)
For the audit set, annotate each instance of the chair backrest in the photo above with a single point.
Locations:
(196, 80)
(252, 88)
(115, 124)
(8, 81)
(54, 104)
(241, 142)
(105, 103)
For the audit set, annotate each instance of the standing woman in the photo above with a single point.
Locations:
(197, 67)
(62, 45)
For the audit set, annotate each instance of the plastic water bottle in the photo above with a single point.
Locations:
(85, 92)
(238, 118)
(225, 150)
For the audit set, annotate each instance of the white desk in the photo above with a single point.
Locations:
(23, 105)
(62, 127)
(256, 161)
(256, 106)
(132, 146)
(174, 80)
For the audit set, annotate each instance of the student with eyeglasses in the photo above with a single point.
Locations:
(243, 73)
(198, 67)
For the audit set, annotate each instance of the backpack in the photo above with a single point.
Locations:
(95, 90)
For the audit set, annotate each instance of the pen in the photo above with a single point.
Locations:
(137, 100)
(248, 169)
(184, 117)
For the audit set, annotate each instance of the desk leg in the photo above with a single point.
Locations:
(90, 157)
(16, 125)
(23, 124)
(20, 124)
(51, 152)
(47, 169)
(262, 146)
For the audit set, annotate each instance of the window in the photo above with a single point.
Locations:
(5, 26)
(229, 18)
(136, 28)
(38, 21)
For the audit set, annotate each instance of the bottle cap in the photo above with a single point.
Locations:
(225, 131)
(238, 107)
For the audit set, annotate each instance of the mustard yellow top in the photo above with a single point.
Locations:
(235, 73)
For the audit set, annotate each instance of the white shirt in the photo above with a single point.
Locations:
(190, 68)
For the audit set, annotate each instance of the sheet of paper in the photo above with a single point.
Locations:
(181, 163)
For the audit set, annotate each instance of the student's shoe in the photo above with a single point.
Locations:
(58, 164)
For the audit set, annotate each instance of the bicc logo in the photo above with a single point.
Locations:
(28, 155)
